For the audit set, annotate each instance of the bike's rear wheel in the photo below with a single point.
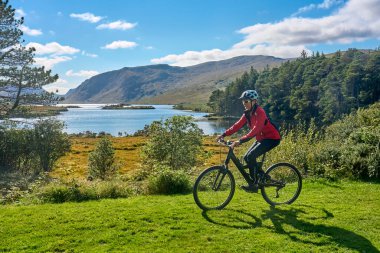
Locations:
(214, 188)
(283, 184)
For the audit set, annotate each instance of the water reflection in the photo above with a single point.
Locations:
(93, 118)
(90, 117)
(210, 127)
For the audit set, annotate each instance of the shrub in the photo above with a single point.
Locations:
(58, 192)
(295, 147)
(175, 143)
(167, 181)
(350, 147)
(325, 160)
(362, 153)
(16, 151)
(101, 160)
(33, 149)
(50, 142)
(112, 189)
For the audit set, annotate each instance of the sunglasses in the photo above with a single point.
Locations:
(246, 101)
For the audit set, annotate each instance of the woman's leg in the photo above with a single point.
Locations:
(258, 149)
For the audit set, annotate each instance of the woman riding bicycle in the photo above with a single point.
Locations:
(267, 136)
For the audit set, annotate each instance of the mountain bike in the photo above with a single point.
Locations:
(215, 186)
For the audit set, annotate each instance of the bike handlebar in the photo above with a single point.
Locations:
(226, 143)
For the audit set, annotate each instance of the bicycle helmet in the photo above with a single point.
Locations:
(249, 94)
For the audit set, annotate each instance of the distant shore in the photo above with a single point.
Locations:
(33, 111)
(127, 107)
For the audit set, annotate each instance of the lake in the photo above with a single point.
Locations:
(90, 117)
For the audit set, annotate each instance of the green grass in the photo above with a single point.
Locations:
(328, 217)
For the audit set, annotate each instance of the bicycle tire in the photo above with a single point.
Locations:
(214, 188)
(283, 182)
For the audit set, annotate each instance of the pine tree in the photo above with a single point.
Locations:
(16, 65)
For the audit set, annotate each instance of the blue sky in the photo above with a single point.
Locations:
(79, 39)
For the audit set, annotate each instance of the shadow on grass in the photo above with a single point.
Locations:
(289, 222)
(232, 218)
(331, 234)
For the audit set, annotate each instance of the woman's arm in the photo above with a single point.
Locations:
(235, 127)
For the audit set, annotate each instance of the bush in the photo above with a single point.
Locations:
(175, 143)
(59, 192)
(362, 153)
(295, 147)
(167, 181)
(16, 151)
(101, 160)
(325, 161)
(350, 147)
(34, 149)
(50, 142)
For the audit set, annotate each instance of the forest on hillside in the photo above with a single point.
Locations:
(319, 87)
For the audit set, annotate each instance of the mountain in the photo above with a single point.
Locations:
(164, 84)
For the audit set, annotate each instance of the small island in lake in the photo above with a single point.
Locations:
(127, 107)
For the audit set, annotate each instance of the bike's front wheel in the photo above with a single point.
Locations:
(282, 184)
(214, 188)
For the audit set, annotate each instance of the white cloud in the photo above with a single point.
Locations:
(117, 25)
(89, 55)
(31, 32)
(20, 13)
(82, 73)
(196, 57)
(87, 17)
(58, 89)
(327, 4)
(53, 48)
(120, 44)
(50, 62)
(53, 52)
(357, 20)
(61, 81)
(63, 86)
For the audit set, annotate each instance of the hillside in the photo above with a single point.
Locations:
(328, 217)
(162, 84)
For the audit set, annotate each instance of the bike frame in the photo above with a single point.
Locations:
(231, 156)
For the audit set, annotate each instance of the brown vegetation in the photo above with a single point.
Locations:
(74, 165)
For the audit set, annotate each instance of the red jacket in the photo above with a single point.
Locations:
(260, 126)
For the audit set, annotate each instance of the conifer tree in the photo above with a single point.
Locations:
(17, 71)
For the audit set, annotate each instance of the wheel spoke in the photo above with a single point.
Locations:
(284, 185)
(214, 188)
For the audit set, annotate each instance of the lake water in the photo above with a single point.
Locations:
(91, 117)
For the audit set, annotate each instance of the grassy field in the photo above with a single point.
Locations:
(339, 217)
(74, 164)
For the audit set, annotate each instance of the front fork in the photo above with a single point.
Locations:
(219, 178)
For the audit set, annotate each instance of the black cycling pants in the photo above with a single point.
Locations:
(258, 149)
